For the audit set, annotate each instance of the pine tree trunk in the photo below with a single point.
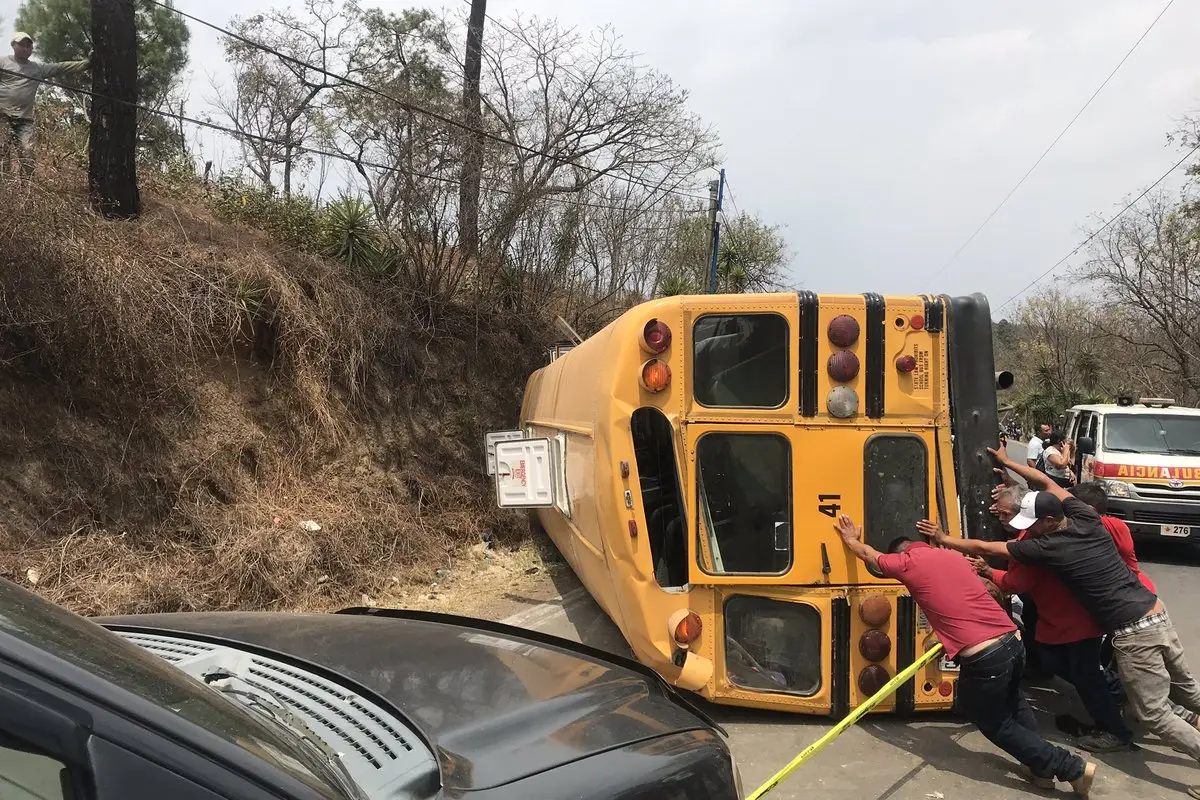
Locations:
(468, 193)
(112, 144)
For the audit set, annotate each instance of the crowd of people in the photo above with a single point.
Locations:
(1084, 594)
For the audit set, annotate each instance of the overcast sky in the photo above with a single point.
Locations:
(880, 134)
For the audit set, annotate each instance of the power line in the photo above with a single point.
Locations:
(326, 153)
(406, 105)
(1103, 227)
(1046, 152)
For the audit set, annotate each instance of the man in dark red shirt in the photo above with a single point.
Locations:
(977, 633)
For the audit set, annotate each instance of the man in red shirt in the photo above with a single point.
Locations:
(976, 633)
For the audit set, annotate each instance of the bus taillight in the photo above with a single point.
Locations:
(656, 375)
(875, 645)
(917, 322)
(906, 363)
(685, 627)
(876, 610)
(656, 336)
(843, 366)
(872, 679)
(843, 330)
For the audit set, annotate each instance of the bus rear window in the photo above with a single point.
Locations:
(745, 484)
(740, 360)
(895, 488)
(772, 645)
(662, 495)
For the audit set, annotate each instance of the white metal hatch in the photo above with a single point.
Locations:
(525, 474)
(489, 442)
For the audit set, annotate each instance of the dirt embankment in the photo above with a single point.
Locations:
(183, 405)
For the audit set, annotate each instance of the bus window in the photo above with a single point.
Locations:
(740, 360)
(772, 645)
(895, 488)
(662, 495)
(745, 485)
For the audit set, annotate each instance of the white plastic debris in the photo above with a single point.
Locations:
(33, 575)
(310, 525)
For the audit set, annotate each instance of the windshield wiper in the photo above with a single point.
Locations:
(1184, 451)
(282, 717)
(1132, 450)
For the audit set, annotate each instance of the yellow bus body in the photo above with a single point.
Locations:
(585, 400)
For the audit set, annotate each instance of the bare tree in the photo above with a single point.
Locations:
(1146, 270)
(578, 112)
(276, 95)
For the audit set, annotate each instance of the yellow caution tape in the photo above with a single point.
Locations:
(858, 713)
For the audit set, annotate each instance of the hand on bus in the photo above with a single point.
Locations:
(931, 530)
(847, 529)
(1000, 454)
(981, 567)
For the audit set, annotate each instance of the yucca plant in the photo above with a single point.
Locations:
(353, 237)
(672, 285)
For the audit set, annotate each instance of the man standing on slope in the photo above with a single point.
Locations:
(1067, 537)
(20, 79)
(976, 633)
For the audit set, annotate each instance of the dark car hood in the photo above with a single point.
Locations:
(496, 702)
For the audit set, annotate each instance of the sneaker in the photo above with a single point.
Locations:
(1082, 785)
(1102, 742)
(1041, 783)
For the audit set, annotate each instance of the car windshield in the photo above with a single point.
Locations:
(1166, 434)
(86, 645)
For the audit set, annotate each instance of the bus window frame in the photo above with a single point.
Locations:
(680, 494)
(929, 484)
(787, 356)
(701, 509)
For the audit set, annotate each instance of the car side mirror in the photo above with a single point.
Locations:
(1086, 445)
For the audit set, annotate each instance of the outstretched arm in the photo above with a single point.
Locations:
(1036, 480)
(852, 537)
(971, 547)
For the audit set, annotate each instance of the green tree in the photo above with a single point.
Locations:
(63, 30)
(752, 257)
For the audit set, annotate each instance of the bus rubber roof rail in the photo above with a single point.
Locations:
(810, 310)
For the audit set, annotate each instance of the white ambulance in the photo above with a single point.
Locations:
(1147, 455)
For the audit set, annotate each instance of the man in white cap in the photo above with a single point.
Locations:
(20, 79)
(1067, 537)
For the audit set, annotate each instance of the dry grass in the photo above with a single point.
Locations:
(177, 395)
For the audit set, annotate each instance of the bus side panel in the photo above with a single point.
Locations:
(974, 417)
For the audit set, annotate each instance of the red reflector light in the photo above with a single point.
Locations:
(656, 375)
(633, 529)
(624, 469)
(875, 645)
(875, 610)
(688, 629)
(843, 366)
(872, 679)
(945, 689)
(917, 322)
(906, 363)
(843, 330)
(656, 336)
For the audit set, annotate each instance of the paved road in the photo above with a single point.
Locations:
(939, 758)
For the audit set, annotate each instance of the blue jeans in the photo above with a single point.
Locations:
(989, 694)
(1078, 663)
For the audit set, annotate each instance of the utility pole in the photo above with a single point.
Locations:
(468, 189)
(716, 194)
(112, 141)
